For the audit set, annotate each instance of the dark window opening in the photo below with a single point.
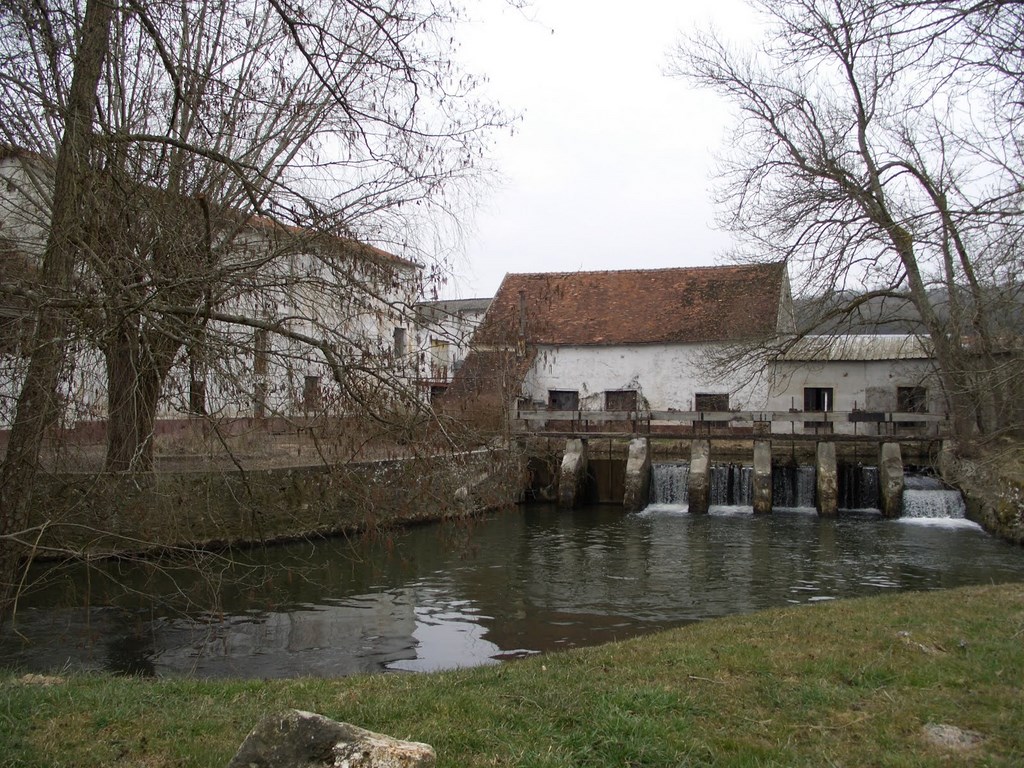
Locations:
(620, 400)
(912, 399)
(819, 399)
(563, 400)
(311, 398)
(437, 392)
(706, 401)
(710, 402)
(399, 351)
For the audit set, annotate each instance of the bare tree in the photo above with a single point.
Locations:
(208, 171)
(875, 150)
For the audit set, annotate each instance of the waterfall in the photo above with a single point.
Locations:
(926, 496)
(668, 483)
(793, 486)
(732, 485)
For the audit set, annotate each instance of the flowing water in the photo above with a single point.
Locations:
(462, 594)
(925, 497)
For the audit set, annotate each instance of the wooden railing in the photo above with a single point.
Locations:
(726, 423)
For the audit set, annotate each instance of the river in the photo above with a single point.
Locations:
(508, 585)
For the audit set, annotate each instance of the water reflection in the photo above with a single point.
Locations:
(466, 594)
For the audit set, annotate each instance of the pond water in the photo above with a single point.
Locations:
(513, 584)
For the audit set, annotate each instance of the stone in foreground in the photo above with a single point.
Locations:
(297, 739)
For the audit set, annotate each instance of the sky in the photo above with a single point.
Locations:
(611, 164)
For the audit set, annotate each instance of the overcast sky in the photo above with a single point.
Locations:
(610, 167)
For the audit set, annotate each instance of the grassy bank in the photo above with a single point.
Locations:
(850, 683)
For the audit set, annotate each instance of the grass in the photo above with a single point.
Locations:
(849, 683)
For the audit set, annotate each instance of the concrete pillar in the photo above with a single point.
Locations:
(699, 483)
(573, 475)
(828, 480)
(890, 480)
(762, 477)
(638, 475)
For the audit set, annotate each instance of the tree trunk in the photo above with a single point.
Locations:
(137, 366)
(38, 401)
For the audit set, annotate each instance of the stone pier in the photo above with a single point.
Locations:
(762, 477)
(573, 475)
(699, 482)
(890, 480)
(827, 480)
(638, 475)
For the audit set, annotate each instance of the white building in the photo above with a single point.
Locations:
(649, 341)
(635, 339)
(444, 330)
(276, 294)
(865, 375)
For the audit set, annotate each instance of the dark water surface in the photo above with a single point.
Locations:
(465, 594)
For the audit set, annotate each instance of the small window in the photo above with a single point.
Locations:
(563, 400)
(399, 337)
(703, 401)
(620, 400)
(706, 401)
(311, 398)
(439, 357)
(912, 399)
(819, 398)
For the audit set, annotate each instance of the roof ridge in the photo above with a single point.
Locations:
(694, 268)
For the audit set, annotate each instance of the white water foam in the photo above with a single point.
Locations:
(946, 504)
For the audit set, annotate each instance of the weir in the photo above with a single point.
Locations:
(639, 478)
(927, 496)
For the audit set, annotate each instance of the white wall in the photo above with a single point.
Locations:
(857, 384)
(667, 376)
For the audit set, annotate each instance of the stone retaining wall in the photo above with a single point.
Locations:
(105, 514)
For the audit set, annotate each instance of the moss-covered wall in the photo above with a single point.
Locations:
(998, 507)
(101, 514)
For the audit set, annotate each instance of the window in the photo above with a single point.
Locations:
(620, 400)
(710, 402)
(912, 399)
(706, 401)
(819, 399)
(399, 343)
(563, 400)
(439, 356)
(311, 398)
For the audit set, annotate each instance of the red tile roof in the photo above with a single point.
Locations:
(641, 306)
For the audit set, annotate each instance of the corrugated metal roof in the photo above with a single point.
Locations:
(863, 347)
